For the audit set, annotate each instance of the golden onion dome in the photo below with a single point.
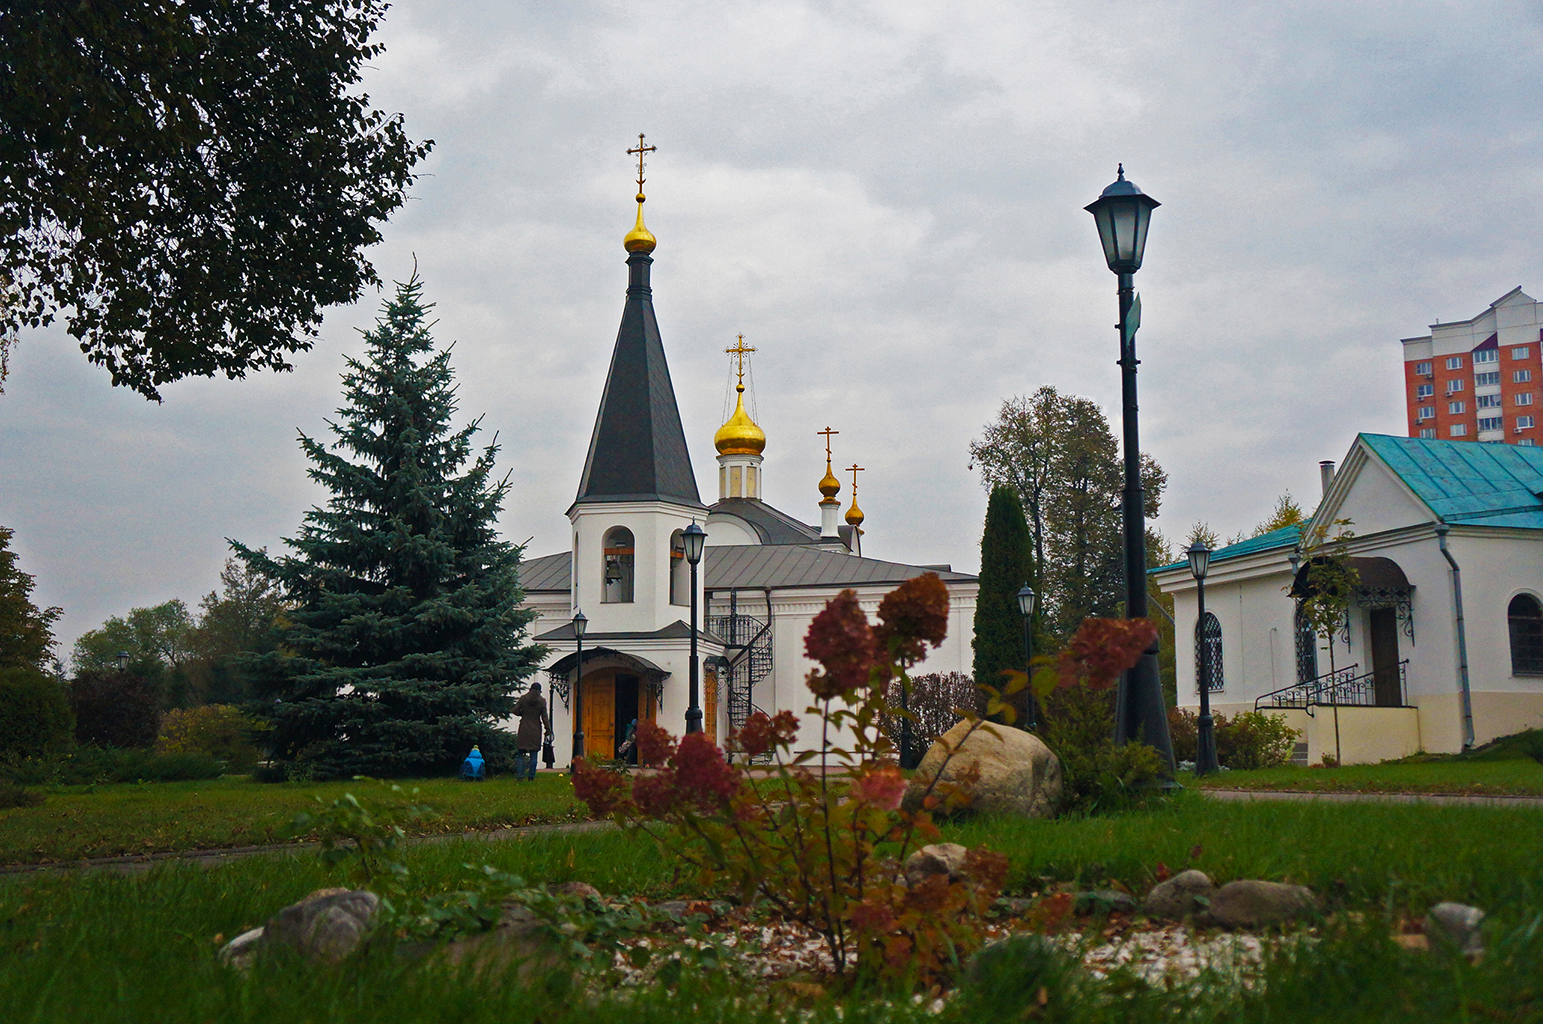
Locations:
(829, 486)
(854, 516)
(740, 435)
(639, 239)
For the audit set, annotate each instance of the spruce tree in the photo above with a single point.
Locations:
(406, 638)
(1004, 568)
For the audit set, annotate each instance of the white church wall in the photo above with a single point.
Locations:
(724, 530)
(652, 525)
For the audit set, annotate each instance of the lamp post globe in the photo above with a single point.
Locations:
(1026, 598)
(695, 539)
(1205, 727)
(121, 661)
(580, 624)
(1123, 214)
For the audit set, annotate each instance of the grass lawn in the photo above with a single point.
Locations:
(99, 946)
(1515, 777)
(105, 821)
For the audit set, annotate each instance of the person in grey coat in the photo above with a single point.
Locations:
(535, 723)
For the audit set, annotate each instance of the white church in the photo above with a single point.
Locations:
(763, 576)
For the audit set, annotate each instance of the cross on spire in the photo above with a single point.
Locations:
(739, 351)
(855, 469)
(827, 432)
(640, 150)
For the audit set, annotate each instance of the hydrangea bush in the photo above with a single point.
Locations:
(819, 835)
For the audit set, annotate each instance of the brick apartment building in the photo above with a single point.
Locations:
(1478, 379)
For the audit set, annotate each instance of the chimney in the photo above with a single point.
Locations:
(1326, 474)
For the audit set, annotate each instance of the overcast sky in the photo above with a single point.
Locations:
(886, 199)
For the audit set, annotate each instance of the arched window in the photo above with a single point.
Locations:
(1208, 653)
(618, 566)
(1307, 648)
(680, 572)
(1525, 617)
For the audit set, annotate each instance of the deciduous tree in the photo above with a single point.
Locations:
(194, 181)
(26, 631)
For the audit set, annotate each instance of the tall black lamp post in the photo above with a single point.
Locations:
(1123, 214)
(1026, 606)
(580, 623)
(121, 661)
(695, 538)
(1205, 735)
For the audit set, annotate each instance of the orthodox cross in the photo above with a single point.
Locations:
(739, 351)
(827, 432)
(855, 469)
(640, 151)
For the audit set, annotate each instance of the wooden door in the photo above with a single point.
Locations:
(600, 717)
(1382, 624)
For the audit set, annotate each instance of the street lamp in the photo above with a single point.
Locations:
(121, 661)
(694, 538)
(1123, 213)
(580, 624)
(1026, 606)
(1205, 735)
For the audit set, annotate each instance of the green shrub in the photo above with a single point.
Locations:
(86, 766)
(1254, 739)
(35, 717)
(115, 709)
(1078, 724)
(216, 730)
(1247, 740)
(12, 795)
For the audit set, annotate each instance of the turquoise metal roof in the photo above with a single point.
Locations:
(1285, 537)
(1467, 482)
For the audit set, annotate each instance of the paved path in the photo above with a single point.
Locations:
(140, 863)
(1438, 799)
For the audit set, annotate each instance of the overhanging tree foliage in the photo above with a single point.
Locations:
(194, 180)
(406, 637)
(1004, 569)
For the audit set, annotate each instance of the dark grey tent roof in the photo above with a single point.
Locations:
(774, 527)
(638, 450)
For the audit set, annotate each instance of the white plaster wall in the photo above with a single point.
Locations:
(725, 530)
(652, 524)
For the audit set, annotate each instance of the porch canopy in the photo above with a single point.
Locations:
(1379, 578)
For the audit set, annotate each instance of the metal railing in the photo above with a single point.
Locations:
(1346, 687)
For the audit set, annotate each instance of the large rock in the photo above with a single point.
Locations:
(1019, 775)
(945, 859)
(1251, 903)
(1174, 900)
(326, 926)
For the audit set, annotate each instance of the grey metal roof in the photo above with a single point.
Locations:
(676, 630)
(750, 566)
(547, 573)
(772, 526)
(638, 450)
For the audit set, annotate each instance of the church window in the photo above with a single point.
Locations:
(736, 482)
(1208, 652)
(619, 566)
(1525, 617)
(680, 572)
(1307, 648)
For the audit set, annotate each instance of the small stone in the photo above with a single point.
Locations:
(1012, 906)
(937, 859)
(1252, 903)
(519, 938)
(581, 889)
(326, 926)
(1175, 899)
(1418, 943)
(1105, 902)
(1456, 928)
(242, 950)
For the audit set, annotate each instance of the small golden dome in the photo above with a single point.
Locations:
(740, 435)
(829, 486)
(854, 516)
(639, 239)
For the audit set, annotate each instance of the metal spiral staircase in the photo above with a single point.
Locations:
(748, 649)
